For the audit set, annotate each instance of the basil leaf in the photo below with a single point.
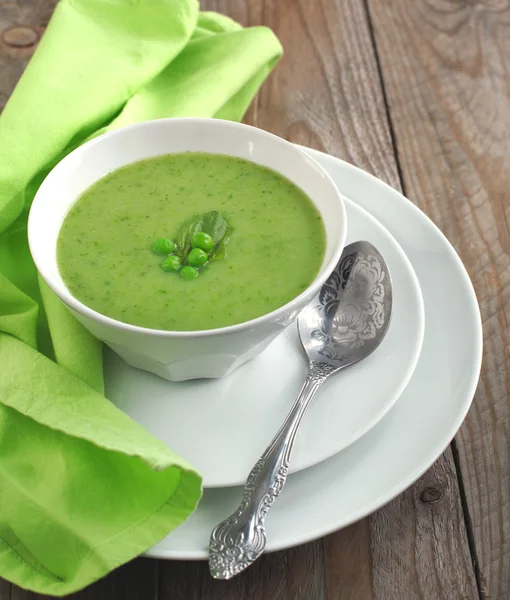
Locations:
(220, 251)
(213, 223)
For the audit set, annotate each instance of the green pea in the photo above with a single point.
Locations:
(197, 257)
(188, 272)
(171, 263)
(202, 240)
(163, 246)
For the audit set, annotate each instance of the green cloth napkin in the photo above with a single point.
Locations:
(83, 488)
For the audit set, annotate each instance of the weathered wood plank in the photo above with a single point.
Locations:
(446, 69)
(5, 590)
(191, 581)
(348, 563)
(293, 575)
(441, 566)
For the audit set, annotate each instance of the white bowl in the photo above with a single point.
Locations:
(180, 355)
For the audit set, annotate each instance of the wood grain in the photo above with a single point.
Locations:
(348, 563)
(446, 68)
(325, 93)
(292, 575)
(441, 567)
(5, 590)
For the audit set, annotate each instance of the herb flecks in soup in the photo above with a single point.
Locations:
(106, 259)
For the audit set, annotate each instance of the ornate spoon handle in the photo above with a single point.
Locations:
(239, 540)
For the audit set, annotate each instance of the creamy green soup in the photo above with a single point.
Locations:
(105, 254)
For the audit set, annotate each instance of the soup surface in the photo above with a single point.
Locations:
(105, 254)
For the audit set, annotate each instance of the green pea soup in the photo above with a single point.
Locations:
(105, 256)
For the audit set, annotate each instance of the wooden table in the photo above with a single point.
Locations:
(418, 93)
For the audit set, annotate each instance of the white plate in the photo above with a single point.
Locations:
(413, 434)
(222, 426)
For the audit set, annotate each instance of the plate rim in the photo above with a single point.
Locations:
(439, 448)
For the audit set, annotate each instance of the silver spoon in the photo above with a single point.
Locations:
(342, 325)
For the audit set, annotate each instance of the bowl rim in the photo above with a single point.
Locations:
(67, 297)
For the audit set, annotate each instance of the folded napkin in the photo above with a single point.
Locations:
(83, 488)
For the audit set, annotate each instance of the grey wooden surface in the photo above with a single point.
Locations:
(418, 93)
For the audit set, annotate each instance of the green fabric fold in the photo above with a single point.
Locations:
(83, 488)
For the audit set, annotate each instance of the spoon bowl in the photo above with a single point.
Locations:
(350, 315)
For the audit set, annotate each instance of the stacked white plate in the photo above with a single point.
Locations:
(372, 429)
